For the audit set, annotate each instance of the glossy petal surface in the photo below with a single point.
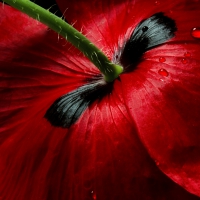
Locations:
(162, 93)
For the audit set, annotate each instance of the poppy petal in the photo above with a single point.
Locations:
(100, 157)
(163, 98)
(35, 65)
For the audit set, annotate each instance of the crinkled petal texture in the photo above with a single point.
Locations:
(162, 94)
(99, 157)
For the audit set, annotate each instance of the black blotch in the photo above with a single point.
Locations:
(148, 34)
(66, 110)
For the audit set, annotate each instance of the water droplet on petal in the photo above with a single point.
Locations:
(162, 59)
(94, 196)
(163, 72)
(157, 162)
(157, 3)
(145, 28)
(196, 33)
(184, 61)
(187, 54)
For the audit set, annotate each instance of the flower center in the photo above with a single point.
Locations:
(149, 33)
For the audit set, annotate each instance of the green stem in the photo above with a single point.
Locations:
(110, 70)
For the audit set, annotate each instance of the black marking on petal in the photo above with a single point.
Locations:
(148, 34)
(67, 109)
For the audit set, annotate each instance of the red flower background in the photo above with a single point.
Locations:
(142, 141)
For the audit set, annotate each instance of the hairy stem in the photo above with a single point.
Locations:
(110, 70)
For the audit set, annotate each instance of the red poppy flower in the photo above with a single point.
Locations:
(139, 141)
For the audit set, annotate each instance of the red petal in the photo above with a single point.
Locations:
(36, 66)
(101, 156)
(163, 98)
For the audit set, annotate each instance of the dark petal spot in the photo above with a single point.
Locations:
(148, 34)
(67, 109)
